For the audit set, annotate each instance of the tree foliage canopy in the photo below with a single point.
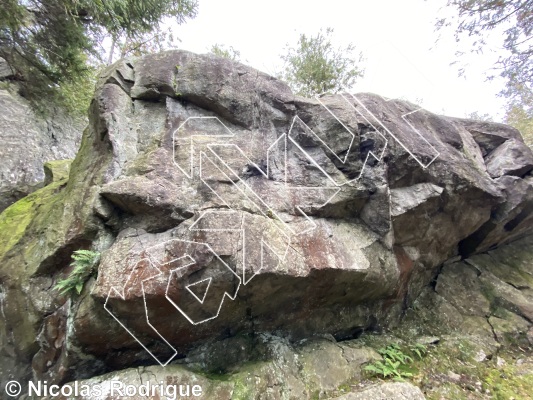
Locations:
(315, 66)
(50, 42)
(513, 20)
(519, 114)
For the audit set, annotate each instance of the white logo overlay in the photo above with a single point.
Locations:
(204, 158)
(106, 389)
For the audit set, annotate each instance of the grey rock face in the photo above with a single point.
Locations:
(5, 70)
(487, 297)
(306, 371)
(511, 158)
(224, 205)
(389, 391)
(478, 309)
(28, 141)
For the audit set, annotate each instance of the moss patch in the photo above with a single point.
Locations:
(56, 170)
(508, 382)
(467, 380)
(16, 218)
(242, 391)
(450, 370)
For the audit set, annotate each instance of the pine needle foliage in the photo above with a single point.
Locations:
(52, 43)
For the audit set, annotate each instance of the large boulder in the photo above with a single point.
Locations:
(225, 206)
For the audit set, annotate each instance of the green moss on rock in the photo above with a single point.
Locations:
(16, 218)
(56, 170)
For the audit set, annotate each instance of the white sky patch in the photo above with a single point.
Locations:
(397, 39)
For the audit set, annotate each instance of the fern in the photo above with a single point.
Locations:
(395, 362)
(419, 349)
(83, 263)
(394, 353)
